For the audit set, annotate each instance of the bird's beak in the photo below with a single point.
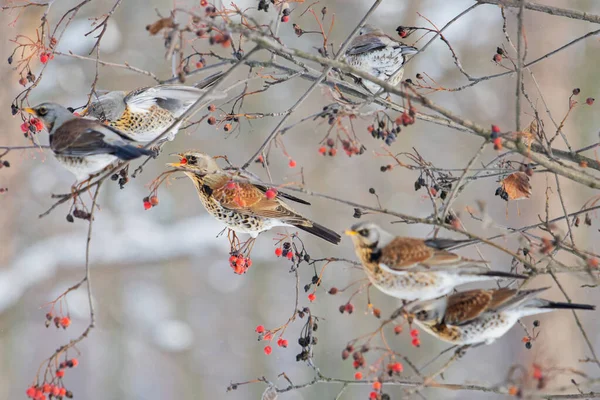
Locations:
(30, 111)
(182, 161)
(350, 232)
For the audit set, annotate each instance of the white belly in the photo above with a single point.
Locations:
(83, 167)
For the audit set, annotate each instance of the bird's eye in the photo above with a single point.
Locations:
(192, 160)
(42, 111)
(363, 232)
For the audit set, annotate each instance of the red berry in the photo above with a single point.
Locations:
(497, 58)
(199, 65)
(44, 58)
(292, 164)
(24, 127)
(312, 297)
(416, 342)
(268, 350)
(349, 308)
(203, 3)
(398, 329)
(279, 342)
(355, 364)
(231, 185)
(497, 143)
(376, 385)
(289, 255)
(147, 205)
(62, 391)
(278, 251)
(55, 391)
(60, 373)
(30, 392)
(65, 322)
(358, 376)
(23, 81)
(495, 129)
(268, 336)
(212, 108)
(373, 395)
(397, 367)
(537, 372)
(46, 388)
(260, 329)
(271, 194)
(212, 120)
(284, 343)
(414, 333)
(154, 201)
(322, 150)
(589, 101)
(332, 152)
(74, 362)
(285, 18)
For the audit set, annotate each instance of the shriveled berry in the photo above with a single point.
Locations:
(211, 120)
(154, 200)
(589, 101)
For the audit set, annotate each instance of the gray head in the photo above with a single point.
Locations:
(52, 115)
(200, 163)
(430, 312)
(368, 234)
(367, 28)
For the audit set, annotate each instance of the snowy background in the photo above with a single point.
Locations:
(173, 321)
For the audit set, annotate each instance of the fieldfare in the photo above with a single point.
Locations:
(145, 113)
(243, 206)
(84, 146)
(415, 269)
(481, 316)
(374, 52)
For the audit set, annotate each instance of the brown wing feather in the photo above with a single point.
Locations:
(365, 43)
(249, 198)
(403, 253)
(79, 137)
(466, 306)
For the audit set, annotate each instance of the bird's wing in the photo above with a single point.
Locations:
(285, 195)
(246, 197)
(82, 137)
(366, 43)
(465, 306)
(173, 98)
(107, 107)
(404, 253)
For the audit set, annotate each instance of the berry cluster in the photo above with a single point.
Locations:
(414, 334)
(388, 130)
(442, 188)
(80, 214)
(34, 125)
(495, 136)
(307, 339)
(59, 322)
(285, 251)
(528, 340)
(121, 177)
(150, 201)
(332, 150)
(52, 391)
(239, 263)
(286, 13)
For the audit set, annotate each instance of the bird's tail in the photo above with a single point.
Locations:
(409, 50)
(567, 306)
(128, 152)
(321, 232)
(501, 274)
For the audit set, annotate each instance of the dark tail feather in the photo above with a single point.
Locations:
(507, 275)
(129, 152)
(443, 244)
(321, 232)
(209, 80)
(569, 306)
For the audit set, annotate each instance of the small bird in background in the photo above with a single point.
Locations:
(145, 113)
(378, 54)
(415, 269)
(481, 316)
(85, 147)
(242, 206)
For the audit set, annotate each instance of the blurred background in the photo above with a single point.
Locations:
(173, 320)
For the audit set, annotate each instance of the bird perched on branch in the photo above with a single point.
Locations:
(378, 54)
(243, 206)
(415, 269)
(145, 113)
(481, 316)
(84, 146)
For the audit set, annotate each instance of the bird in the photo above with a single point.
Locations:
(481, 316)
(244, 207)
(413, 269)
(83, 146)
(374, 52)
(145, 113)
